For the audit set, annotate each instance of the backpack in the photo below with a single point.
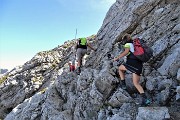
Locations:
(141, 50)
(82, 43)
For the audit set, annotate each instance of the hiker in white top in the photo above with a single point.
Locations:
(132, 64)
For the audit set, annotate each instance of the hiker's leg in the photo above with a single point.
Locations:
(84, 51)
(79, 56)
(122, 69)
(79, 62)
(136, 79)
(144, 101)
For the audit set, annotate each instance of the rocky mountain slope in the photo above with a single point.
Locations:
(44, 89)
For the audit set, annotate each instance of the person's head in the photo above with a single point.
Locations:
(69, 63)
(126, 38)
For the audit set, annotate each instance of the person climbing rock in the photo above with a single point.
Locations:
(81, 47)
(71, 66)
(132, 64)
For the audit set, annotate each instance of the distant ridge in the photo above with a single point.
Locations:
(2, 71)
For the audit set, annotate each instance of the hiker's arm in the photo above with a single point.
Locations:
(126, 51)
(90, 46)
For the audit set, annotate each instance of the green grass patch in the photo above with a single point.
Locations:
(3, 79)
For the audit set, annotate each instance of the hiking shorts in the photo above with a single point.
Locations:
(80, 53)
(134, 65)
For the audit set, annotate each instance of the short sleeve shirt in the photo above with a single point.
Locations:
(130, 46)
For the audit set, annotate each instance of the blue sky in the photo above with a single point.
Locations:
(30, 26)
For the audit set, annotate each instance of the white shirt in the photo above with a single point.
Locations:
(129, 45)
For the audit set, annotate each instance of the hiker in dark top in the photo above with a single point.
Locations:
(132, 64)
(81, 47)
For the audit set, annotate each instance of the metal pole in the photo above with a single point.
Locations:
(76, 33)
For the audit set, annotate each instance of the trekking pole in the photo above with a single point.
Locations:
(76, 33)
(75, 48)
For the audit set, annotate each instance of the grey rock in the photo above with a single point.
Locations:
(102, 115)
(178, 75)
(29, 109)
(178, 89)
(163, 96)
(151, 83)
(164, 84)
(103, 83)
(178, 93)
(152, 113)
(177, 28)
(171, 64)
(119, 97)
(43, 88)
(121, 116)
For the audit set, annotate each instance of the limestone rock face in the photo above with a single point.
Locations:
(34, 76)
(44, 89)
(152, 113)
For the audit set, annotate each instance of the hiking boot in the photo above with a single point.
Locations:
(78, 70)
(145, 102)
(115, 83)
(123, 85)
